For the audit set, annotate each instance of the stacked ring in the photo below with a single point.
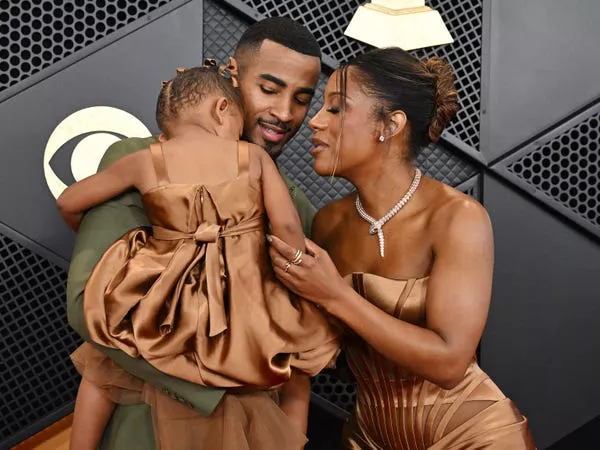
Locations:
(296, 261)
(297, 258)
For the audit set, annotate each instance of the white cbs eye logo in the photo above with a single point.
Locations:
(107, 124)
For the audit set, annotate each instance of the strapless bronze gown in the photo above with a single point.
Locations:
(197, 298)
(397, 410)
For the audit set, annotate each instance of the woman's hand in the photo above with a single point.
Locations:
(314, 278)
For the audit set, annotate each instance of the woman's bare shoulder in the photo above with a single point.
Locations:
(454, 212)
(330, 217)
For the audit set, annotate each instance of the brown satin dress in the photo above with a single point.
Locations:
(197, 298)
(398, 410)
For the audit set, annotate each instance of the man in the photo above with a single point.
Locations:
(278, 68)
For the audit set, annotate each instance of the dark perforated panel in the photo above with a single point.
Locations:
(444, 165)
(472, 187)
(328, 20)
(37, 33)
(36, 375)
(338, 392)
(565, 169)
(222, 31)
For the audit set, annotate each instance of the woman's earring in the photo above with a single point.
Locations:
(381, 138)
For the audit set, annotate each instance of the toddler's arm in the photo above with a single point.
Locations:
(96, 189)
(279, 207)
(295, 398)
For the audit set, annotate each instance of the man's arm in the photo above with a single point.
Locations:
(101, 227)
(305, 208)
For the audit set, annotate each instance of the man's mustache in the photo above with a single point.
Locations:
(285, 128)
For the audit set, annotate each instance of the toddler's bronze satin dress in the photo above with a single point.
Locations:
(197, 298)
(398, 410)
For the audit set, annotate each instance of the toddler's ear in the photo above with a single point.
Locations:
(221, 108)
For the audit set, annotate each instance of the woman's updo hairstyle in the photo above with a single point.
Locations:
(424, 90)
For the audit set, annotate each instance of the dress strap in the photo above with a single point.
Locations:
(158, 159)
(243, 158)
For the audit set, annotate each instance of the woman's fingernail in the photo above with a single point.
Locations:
(269, 238)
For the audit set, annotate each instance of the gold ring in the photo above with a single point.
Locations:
(297, 258)
(287, 266)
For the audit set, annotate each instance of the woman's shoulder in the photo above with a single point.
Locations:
(336, 209)
(331, 216)
(452, 211)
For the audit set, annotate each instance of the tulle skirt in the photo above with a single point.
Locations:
(249, 421)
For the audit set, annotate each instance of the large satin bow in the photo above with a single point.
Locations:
(208, 247)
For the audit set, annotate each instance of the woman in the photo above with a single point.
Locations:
(412, 288)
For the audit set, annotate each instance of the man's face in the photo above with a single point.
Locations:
(277, 86)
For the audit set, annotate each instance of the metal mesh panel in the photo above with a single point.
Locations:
(443, 165)
(222, 31)
(566, 169)
(338, 392)
(328, 20)
(36, 375)
(37, 33)
(472, 187)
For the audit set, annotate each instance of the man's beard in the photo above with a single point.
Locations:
(268, 147)
(272, 148)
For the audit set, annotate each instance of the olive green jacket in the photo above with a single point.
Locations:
(131, 426)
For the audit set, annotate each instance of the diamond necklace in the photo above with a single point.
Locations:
(377, 225)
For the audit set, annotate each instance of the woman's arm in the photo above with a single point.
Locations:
(93, 190)
(458, 298)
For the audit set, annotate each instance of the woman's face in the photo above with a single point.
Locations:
(360, 129)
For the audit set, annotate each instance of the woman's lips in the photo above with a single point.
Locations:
(318, 146)
(317, 149)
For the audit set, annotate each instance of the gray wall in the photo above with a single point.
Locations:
(541, 341)
(525, 143)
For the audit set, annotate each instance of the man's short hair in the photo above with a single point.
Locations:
(281, 30)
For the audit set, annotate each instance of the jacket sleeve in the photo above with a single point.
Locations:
(305, 208)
